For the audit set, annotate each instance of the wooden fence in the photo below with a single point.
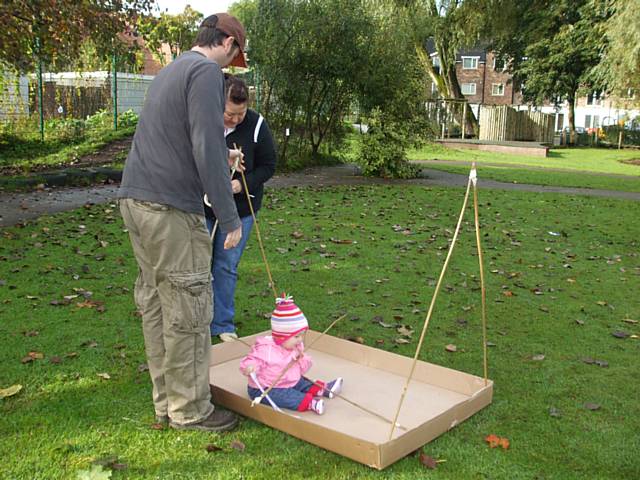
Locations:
(503, 123)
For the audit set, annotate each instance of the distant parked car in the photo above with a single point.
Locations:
(578, 130)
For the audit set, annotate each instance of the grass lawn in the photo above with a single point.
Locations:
(598, 160)
(31, 154)
(559, 286)
(540, 177)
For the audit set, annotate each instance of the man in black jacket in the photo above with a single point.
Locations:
(247, 130)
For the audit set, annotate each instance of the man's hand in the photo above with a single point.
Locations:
(236, 186)
(236, 159)
(233, 238)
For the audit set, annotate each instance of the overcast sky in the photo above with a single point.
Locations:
(206, 7)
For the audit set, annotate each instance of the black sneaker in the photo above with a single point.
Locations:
(219, 421)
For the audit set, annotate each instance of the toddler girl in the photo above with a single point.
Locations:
(271, 355)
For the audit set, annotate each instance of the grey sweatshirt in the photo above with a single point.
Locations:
(178, 151)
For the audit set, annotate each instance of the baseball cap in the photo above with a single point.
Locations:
(231, 26)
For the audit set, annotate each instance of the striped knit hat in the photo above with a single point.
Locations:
(287, 320)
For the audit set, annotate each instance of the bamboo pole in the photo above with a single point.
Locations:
(428, 317)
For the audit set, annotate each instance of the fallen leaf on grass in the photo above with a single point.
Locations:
(359, 340)
(428, 461)
(157, 426)
(630, 320)
(31, 356)
(592, 406)
(31, 333)
(10, 391)
(403, 330)
(451, 348)
(212, 448)
(238, 445)
(104, 376)
(537, 358)
(496, 441)
(55, 360)
(402, 340)
(554, 412)
(620, 334)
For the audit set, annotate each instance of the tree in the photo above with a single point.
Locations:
(620, 65)
(177, 31)
(453, 25)
(54, 30)
(553, 46)
(309, 55)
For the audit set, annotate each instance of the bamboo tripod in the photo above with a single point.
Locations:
(472, 181)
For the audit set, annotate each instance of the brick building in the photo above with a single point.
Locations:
(484, 80)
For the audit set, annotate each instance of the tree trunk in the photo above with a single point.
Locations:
(572, 118)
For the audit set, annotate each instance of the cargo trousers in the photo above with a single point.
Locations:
(173, 294)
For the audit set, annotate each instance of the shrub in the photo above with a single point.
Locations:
(383, 149)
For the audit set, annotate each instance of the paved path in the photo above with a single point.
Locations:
(18, 207)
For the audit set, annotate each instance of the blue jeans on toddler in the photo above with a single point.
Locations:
(224, 268)
(292, 398)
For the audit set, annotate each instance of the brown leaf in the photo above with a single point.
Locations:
(402, 341)
(31, 333)
(104, 376)
(157, 426)
(428, 461)
(55, 360)
(238, 445)
(451, 348)
(504, 443)
(508, 293)
(592, 406)
(630, 320)
(297, 234)
(537, 358)
(404, 330)
(212, 448)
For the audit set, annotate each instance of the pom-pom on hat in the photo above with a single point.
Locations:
(287, 320)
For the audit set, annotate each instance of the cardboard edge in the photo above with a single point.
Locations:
(402, 446)
(344, 445)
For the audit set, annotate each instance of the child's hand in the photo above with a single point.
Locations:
(248, 370)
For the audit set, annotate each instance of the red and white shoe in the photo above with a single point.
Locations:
(317, 405)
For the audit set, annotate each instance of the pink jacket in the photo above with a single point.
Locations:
(270, 360)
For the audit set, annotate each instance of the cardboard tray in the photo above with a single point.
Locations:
(437, 399)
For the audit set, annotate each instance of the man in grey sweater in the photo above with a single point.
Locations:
(179, 153)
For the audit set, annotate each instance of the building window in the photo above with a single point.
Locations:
(499, 64)
(470, 63)
(594, 98)
(468, 88)
(435, 60)
(497, 89)
(587, 121)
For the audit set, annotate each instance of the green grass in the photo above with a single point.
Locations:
(559, 268)
(599, 160)
(540, 177)
(31, 154)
